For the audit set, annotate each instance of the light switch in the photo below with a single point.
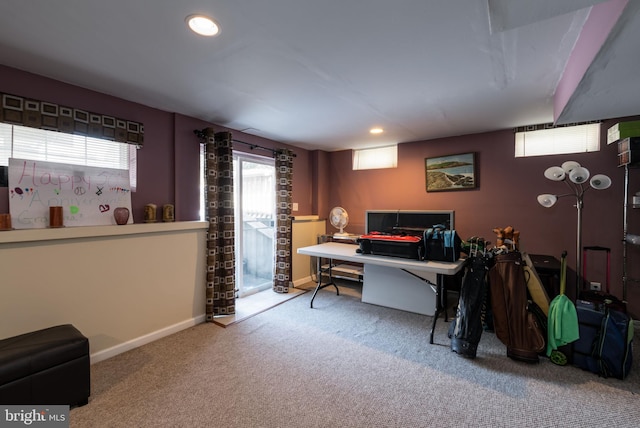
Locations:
(295, 206)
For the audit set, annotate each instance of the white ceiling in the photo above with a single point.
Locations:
(319, 74)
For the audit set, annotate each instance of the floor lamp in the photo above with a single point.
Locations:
(575, 177)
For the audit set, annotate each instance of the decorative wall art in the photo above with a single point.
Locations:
(452, 172)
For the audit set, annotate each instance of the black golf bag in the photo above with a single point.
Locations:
(466, 328)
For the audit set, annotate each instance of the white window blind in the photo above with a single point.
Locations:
(555, 141)
(376, 158)
(38, 144)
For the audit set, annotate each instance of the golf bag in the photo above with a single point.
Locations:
(514, 324)
(466, 328)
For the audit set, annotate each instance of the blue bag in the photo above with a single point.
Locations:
(614, 346)
(441, 244)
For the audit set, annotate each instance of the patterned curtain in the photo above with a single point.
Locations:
(221, 282)
(284, 184)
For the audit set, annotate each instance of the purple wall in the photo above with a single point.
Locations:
(505, 196)
(155, 160)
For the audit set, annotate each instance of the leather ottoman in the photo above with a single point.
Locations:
(49, 366)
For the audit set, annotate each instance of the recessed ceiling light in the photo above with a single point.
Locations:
(203, 25)
(376, 130)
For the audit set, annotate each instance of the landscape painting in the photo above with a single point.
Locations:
(453, 172)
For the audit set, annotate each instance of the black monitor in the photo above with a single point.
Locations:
(386, 221)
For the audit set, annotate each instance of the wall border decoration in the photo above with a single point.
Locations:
(23, 111)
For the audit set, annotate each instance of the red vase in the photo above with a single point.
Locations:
(121, 214)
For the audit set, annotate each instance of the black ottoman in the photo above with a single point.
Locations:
(49, 366)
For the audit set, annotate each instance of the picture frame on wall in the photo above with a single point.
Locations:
(451, 172)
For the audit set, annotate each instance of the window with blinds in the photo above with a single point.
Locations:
(375, 158)
(556, 141)
(38, 144)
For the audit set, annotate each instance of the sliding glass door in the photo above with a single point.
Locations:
(254, 182)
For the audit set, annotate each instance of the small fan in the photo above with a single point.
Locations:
(339, 219)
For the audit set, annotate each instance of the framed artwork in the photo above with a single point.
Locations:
(452, 172)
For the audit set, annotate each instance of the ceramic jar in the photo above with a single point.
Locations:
(168, 213)
(121, 215)
(150, 213)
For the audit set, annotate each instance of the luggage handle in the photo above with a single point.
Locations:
(596, 248)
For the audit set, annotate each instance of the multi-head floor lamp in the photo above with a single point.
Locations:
(575, 177)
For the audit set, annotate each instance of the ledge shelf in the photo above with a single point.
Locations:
(78, 232)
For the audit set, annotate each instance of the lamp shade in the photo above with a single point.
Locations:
(579, 175)
(547, 200)
(555, 173)
(600, 182)
(569, 166)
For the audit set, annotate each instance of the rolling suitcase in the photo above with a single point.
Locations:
(600, 297)
(606, 331)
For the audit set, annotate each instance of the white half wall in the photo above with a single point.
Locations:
(121, 286)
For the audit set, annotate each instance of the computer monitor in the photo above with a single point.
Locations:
(386, 220)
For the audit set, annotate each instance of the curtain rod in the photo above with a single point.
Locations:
(201, 134)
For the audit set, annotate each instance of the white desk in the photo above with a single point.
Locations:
(410, 285)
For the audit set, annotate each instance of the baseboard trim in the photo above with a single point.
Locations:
(143, 340)
(302, 281)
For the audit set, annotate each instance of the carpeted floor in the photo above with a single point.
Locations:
(343, 364)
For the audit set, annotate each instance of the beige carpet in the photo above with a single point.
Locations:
(249, 306)
(344, 364)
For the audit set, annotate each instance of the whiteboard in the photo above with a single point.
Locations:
(88, 195)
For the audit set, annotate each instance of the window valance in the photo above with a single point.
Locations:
(44, 115)
(538, 127)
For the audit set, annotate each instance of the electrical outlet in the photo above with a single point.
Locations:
(595, 286)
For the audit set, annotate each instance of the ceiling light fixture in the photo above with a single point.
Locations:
(203, 25)
(376, 130)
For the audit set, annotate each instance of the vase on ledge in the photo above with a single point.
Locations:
(121, 214)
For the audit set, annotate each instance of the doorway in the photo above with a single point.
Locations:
(254, 181)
